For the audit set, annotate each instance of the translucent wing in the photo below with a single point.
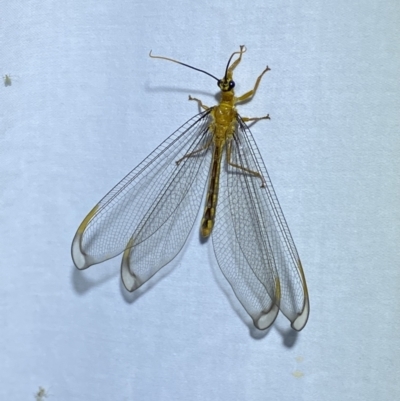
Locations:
(150, 213)
(252, 241)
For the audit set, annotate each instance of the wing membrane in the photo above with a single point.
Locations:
(147, 198)
(252, 241)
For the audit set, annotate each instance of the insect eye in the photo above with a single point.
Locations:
(231, 84)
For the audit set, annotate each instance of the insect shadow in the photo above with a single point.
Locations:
(289, 336)
(82, 283)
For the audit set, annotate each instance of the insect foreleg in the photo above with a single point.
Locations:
(252, 92)
(200, 103)
(236, 62)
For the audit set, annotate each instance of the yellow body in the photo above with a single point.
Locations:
(223, 126)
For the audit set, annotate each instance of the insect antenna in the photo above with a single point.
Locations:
(186, 65)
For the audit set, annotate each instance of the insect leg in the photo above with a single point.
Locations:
(236, 62)
(252, 92)
(205, 147)
(200, 103)
(255, 119)
(255, 173)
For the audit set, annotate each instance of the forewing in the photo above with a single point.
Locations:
(150, 249)
(258, 257)
(144, 201)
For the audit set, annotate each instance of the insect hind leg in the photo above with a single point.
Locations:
(247, 170)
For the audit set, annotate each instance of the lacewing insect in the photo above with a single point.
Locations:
(7, 80)
(150, 213)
